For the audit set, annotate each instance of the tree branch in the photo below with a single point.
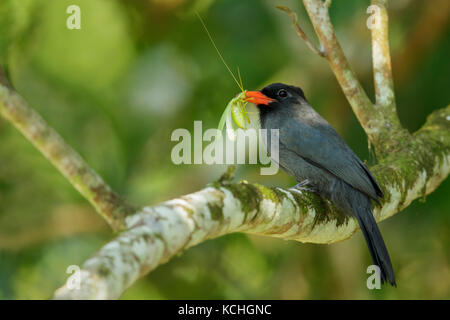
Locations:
(381, 57)
(155, 234)
(385, 120)
(111, 206)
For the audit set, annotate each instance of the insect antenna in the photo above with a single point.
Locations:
(239, 84)
(240, 79)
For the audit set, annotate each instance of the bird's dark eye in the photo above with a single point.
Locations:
(282, 93)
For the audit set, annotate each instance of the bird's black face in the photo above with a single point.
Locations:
(276, 95)
(283, 93)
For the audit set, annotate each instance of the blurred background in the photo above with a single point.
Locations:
(137, 70)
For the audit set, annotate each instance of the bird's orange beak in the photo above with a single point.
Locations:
(257, 97)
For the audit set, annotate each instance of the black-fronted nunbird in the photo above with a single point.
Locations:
(311, 151)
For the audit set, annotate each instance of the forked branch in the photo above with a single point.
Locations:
(380, 120)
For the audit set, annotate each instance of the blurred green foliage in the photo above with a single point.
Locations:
(136, 71)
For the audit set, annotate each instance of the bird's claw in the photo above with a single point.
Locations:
(302, 186)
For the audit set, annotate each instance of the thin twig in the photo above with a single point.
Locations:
(300, 31)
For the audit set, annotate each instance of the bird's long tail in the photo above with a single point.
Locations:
(377, 248)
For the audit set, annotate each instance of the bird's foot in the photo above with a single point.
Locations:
(302, 186)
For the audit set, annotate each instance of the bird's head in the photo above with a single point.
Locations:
(275, 95)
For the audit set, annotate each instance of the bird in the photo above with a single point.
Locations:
(313, 153)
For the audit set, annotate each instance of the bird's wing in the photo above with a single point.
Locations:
(321, 146)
